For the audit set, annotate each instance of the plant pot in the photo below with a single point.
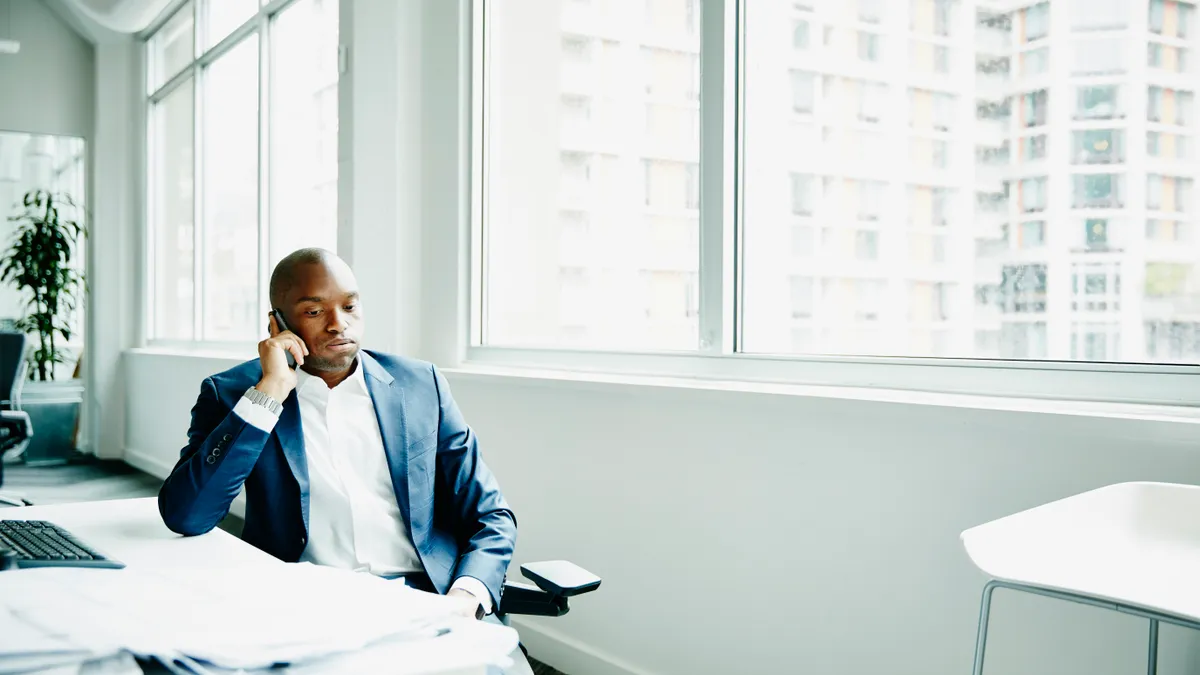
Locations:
(53, 409)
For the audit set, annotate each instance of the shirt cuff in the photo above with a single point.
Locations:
(476, 588)
(255, 415)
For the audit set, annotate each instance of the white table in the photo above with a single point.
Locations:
(1130, 547)
(131, 530)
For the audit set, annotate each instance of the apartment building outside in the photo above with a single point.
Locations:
(966, 178)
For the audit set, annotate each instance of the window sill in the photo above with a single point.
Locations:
(632, 383)
(1153, 389)
(198, 351)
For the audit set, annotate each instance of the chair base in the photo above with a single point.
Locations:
(1155, 618)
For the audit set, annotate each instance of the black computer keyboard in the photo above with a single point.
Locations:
(42, 544)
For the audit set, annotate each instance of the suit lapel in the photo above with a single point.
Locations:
(388, 399)
(291, 440)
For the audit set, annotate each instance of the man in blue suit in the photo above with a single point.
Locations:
(354, 459)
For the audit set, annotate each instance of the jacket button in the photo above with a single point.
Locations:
(216, 451)
(211, 459)
(226, 438)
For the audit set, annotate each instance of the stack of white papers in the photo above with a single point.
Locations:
(233, 617)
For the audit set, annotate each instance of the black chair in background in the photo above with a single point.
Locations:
(15, 428)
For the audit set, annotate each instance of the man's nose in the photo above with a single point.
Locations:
(337, 322)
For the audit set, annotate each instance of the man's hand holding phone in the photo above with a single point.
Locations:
(279, 378)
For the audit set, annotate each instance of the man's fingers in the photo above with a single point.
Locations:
(272, 325)
(296, 352)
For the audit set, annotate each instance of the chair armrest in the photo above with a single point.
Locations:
(556, 581)
(561, 577)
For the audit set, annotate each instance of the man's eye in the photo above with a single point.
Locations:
(351, 308)
(312, 312)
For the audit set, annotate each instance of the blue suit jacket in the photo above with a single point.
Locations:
(459, 522)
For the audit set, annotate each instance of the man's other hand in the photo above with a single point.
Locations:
(278, 379)
(470, 605)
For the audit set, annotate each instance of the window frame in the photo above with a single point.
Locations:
(718, 355)
(194, 74)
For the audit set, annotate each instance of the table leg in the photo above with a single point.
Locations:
(1152, 657)
(985, 609)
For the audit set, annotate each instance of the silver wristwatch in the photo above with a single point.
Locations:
(265, 401)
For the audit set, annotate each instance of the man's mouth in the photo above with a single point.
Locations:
(341, 345)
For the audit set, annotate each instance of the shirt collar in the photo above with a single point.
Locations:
(355, 381)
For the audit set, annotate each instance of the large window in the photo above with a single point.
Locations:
(833, 202)
(233, 187)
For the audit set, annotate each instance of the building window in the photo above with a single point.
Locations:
(871, 11)
(1168, 231)
(803, 295)
(1033, 147)
(932, 17)
(1098, 103)
(941, 59)
(868, 46)
(803, 91)
(1097, 146)
(1035, 61)
(1034, 108)
(1096, 342)
(803, 195)
(866, 245)
(1168, 193)
(1087, 15)
(800, 35)
(1098, 57)
(1095, 234)
(1031, 234)
(212, 292)
(1095, 287)
(1037, 21)
(1024, 288)
(1033, 194)
(1096, 191)
(873, 102)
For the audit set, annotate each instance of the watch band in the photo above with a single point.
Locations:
(264, 400)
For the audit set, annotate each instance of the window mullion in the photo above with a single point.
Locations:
(718, 107)
(198, 290)
(264, 148)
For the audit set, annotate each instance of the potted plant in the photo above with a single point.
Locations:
(39, 264)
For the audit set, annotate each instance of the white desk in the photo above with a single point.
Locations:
(131, 530)
(1129, 547)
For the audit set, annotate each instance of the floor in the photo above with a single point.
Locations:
(93, 480)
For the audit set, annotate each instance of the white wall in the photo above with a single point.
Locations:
(49, 86)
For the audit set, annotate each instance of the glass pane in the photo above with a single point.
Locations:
(990, 213)
(222, 17)
(304, 128)
(230, 160)
(591, 213)
(172, 47)
(172, 218)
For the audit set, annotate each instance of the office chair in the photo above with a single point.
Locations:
(15, 431)
(15, 428)
(553, 582)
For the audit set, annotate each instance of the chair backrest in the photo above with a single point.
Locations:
(12, 358)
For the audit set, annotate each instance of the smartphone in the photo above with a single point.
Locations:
(291, 360)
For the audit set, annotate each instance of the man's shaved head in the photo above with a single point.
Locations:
(285, 274)
(317, 297)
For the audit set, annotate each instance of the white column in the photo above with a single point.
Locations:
(115, 258)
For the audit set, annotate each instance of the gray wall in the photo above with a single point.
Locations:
(49, 86)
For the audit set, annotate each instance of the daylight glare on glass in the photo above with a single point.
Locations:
(945, 178)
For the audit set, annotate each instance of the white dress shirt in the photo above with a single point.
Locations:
(353, 518)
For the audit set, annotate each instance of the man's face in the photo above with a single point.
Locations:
(322, 307)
